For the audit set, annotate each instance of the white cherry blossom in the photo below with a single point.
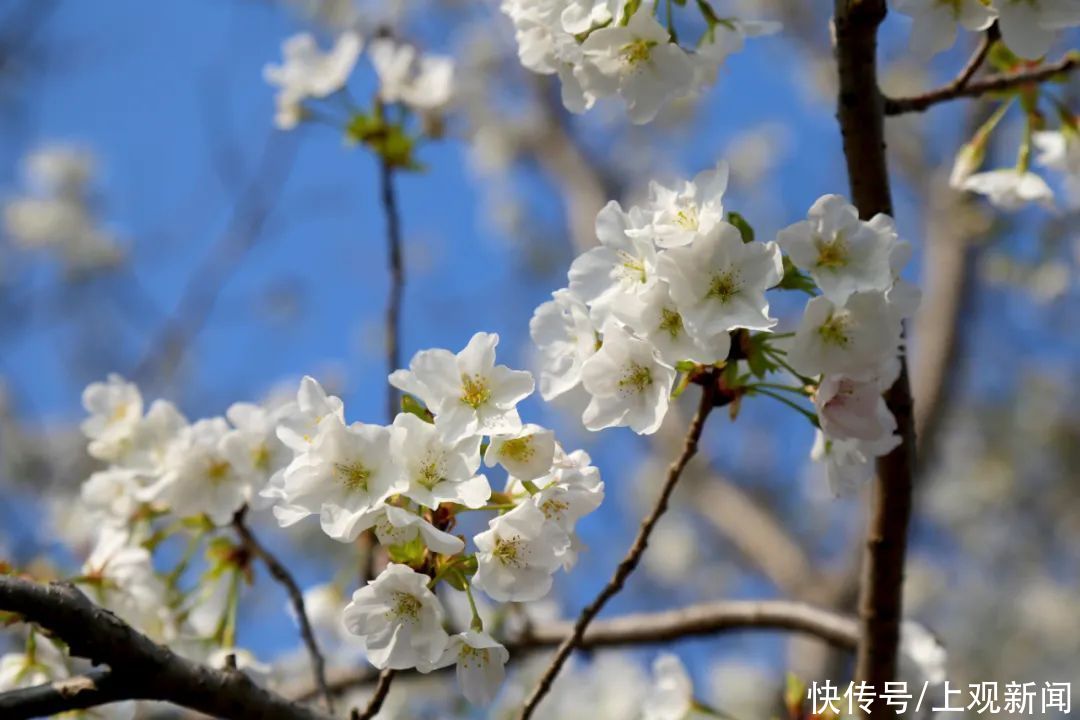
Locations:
(398, 618)
(481, 664)
(935, 21)
(639, 62)
(421, 81)
(199, 478)
(308, 72)
(347, 472)
(299, 423)
(437, 469)
(679, 215)
(671, 696)
(526, 454)
(658, 320)
(616, 273)
(566, 338)
(841, 253)
(1011, 189)
(1060, 150)
(848, 408)
(853, 339)
(468, 392)
(719, 282)
(627, 382)
(1029, 27)
(518, 554)
(115, 408)
(253, 446)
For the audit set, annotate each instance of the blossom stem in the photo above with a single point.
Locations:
(794, 406)
(777, 356)
(633, 556)
(397, 281)
(477, 621)
(801, 391)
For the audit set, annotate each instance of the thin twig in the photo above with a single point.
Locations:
(633, 556)
(296, 597)
(705, 619)
(381, 690)
(397, 281)
(978, 58)
(993, 83)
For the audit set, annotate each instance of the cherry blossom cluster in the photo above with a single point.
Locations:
(1028, 27)
(672, 281)
(419, 81)
(408, 481)
(56, 213)
(604, 48)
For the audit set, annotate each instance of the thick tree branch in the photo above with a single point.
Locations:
(140, 668)
(861, 116)
(648, 628)
(633, 556)
(296, 597)
(994, 83)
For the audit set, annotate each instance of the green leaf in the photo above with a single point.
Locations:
(744, 227)
(796, 279)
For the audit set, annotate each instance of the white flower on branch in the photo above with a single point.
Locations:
(398, 618)
(423, 82)
(468, 392)
(627, 382)
(566, 337)
(115, 408)
(719, 282)
(841, 253)
(481, 664)
(678, 216)
(526, 454)
(307, 72)
(935, 21)
(437, 469)
(658, 320)
(1011, 189)
(518, 554)
(671, 696)
(1030, 27)
(347, 472)
(853, 339)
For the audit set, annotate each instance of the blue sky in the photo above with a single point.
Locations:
(150, 86)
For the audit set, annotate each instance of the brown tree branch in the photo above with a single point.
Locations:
(861, 117)
(143, 670)
(397, 282)
(633, 556)
(994, 83)
(296, 596)
(382, 689)
(648, 628)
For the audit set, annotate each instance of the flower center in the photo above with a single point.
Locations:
(832, 254)
(687, 219)
(633, 266)
(471, 657)
(218, 471)
(353, 475)
(671, 322)
(518, 449)
(260, 456)
(509, 551)
(430, 473)
(636, 52)
(724, 286)
(554, 508)
(834, 331)
(636, 377)
(406, 607)
(474, 390)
